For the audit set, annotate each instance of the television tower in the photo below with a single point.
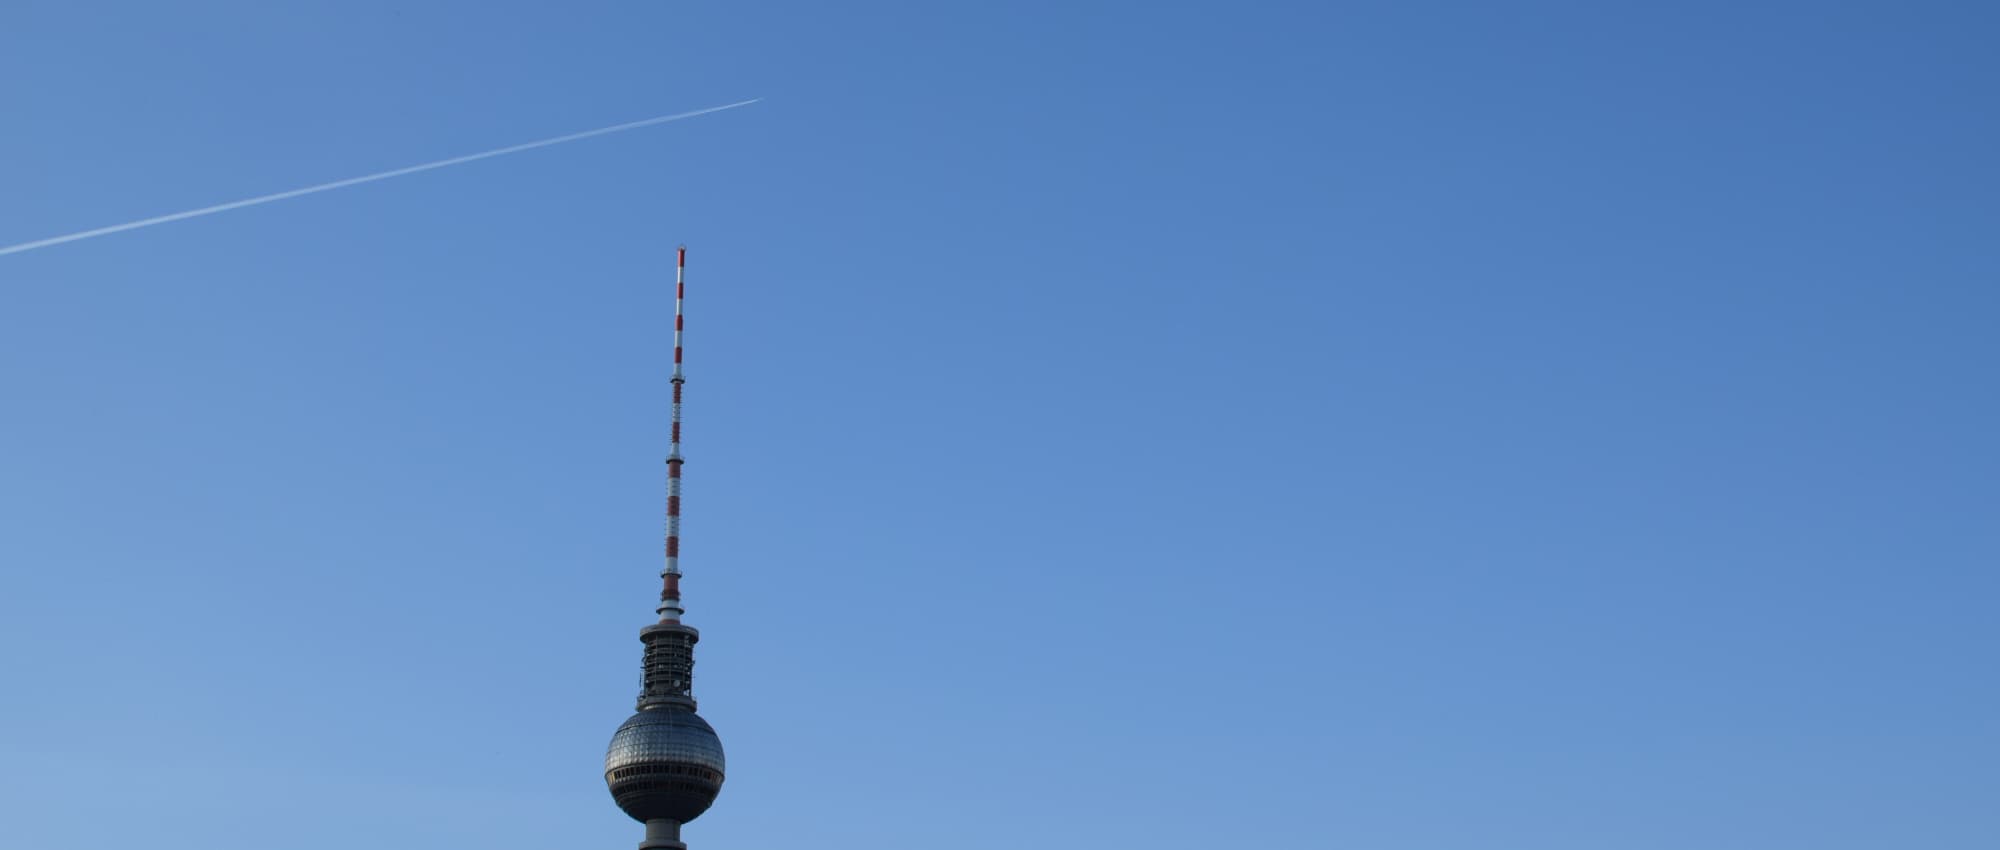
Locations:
(665, 763)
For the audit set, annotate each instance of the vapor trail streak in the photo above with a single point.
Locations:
(355, 181)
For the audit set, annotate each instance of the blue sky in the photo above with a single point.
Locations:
(1380, 425)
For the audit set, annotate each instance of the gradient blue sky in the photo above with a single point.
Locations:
(1410, 426)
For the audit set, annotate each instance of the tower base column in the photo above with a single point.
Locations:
(662, 835)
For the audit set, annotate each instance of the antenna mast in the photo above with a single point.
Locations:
(670, 610)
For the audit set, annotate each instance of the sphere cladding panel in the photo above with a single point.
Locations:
(665, 735)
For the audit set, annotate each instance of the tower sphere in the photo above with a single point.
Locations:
(664, 763)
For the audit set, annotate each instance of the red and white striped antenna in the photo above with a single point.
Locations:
(670, 578)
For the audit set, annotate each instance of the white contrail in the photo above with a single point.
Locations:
(353, 181)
